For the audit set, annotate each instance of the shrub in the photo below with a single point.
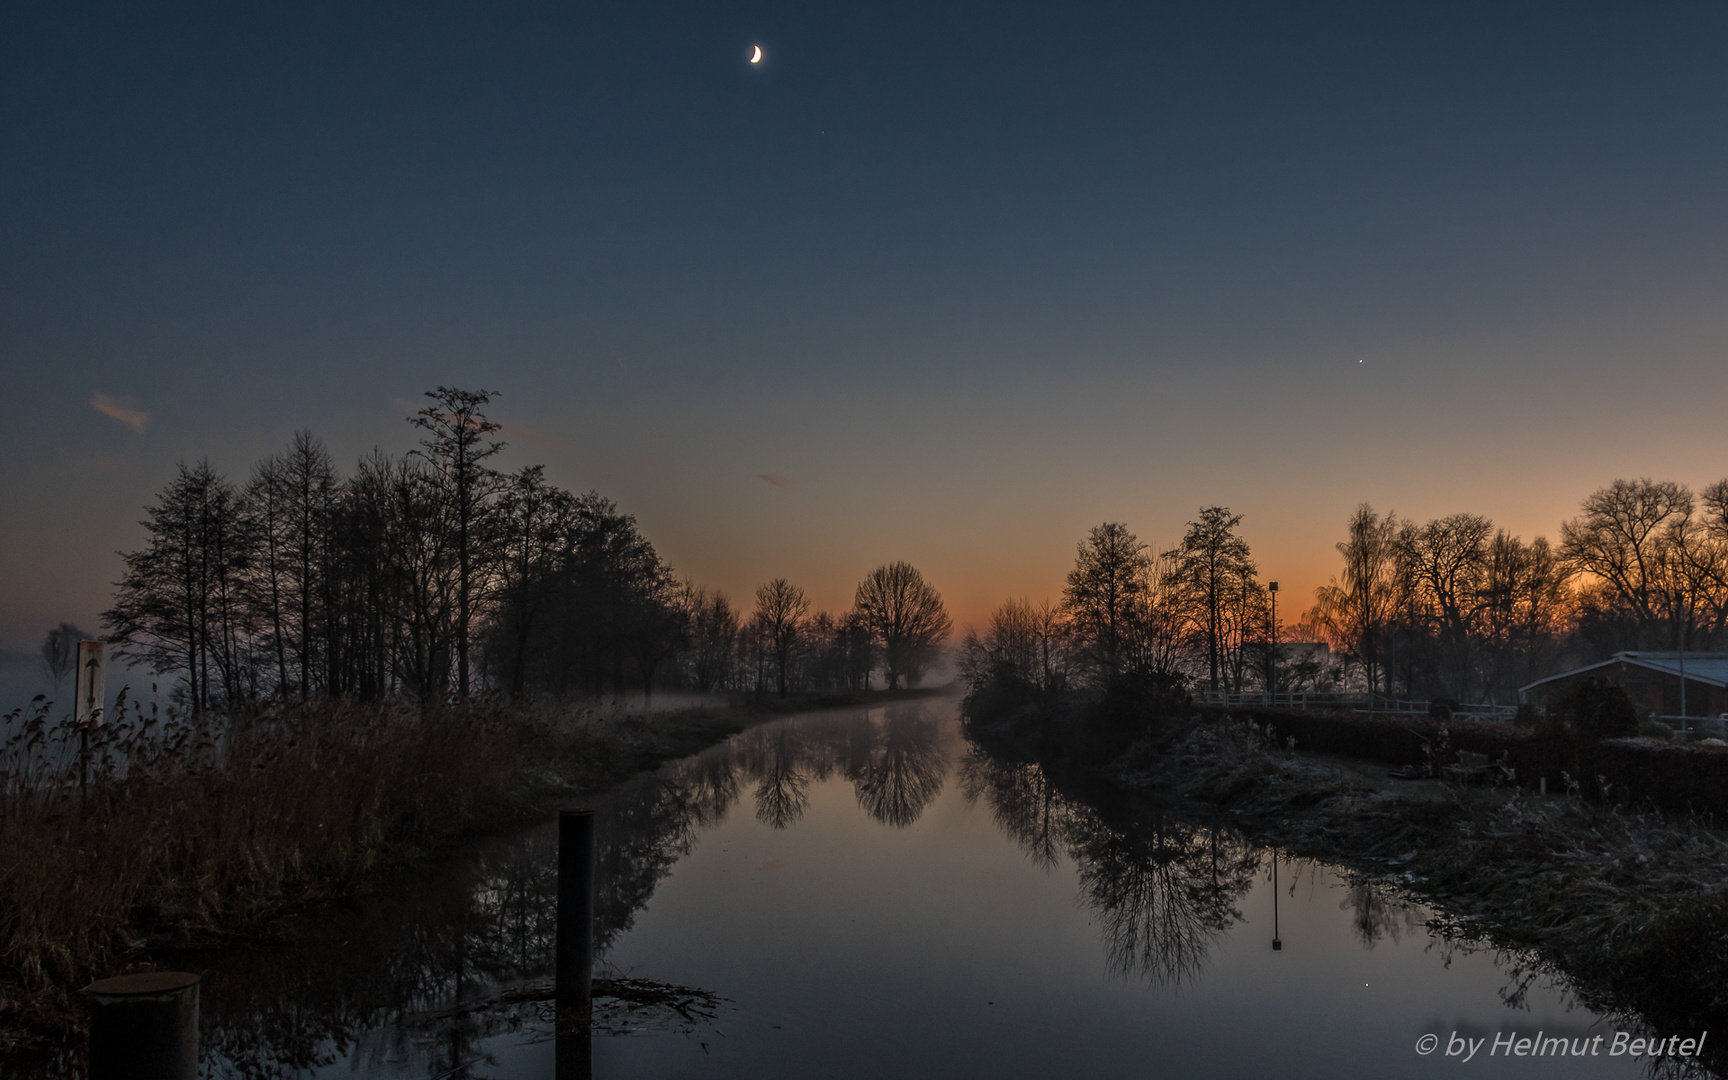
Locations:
(1597, 709)
(1003, 693)
(1141, 696)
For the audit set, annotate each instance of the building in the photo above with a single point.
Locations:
(1651, 680)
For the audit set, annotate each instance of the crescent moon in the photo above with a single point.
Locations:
(756, 57)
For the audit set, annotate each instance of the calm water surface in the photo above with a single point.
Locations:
(872, 896)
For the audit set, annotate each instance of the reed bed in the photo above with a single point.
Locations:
(190, 831)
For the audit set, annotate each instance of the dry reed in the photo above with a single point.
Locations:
(196, 830)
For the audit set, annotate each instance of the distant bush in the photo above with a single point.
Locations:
(1597, 709)
(1656, 729)
(1142, 696)
(1002, 693)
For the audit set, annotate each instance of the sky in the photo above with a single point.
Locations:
(948, 283)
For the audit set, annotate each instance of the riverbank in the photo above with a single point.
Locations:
(1629, 909)
(190, 835)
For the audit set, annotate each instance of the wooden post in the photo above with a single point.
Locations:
(575, 949)
(144, 1027)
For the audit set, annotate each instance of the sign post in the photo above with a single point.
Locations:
(89, 696)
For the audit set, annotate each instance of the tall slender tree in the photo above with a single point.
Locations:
(1214, 576)
(176, 608)
(1357, 613)
(1103, 590)
(780, 610)
(457, 444)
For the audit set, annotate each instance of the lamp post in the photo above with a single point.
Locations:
(1272, 657)
(1680, 633)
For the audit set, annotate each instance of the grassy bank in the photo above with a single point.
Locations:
(1629, 909)
(191, 833)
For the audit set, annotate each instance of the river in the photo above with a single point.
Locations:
(865, 893)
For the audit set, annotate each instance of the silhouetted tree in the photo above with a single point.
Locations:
(1021, 640)
(714, 629)
(1650, 563)
(534, 523)
(780, 609)
(456, 445)
(1443, 569)
(60, 653)
(905, 616)
(1214, 578)
(1102, 591)
(177, 607)
(1356, 614)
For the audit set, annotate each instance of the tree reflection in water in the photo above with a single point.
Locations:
(1164, 890)
(904, 772)
(1377, 912)
(458, 954)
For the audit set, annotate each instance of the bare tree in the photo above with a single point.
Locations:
(533, 521)
(456, 445)
(1445, 565)
(60, 653)
(714, 628)
(1630, 538)
(1022, 640)
(1103, 590)
(1525, 605)
(1356, 614)
(1158, 628)
(178, 606)
(265, 507)
(905, 616)
(780, 610)
(1214, 576)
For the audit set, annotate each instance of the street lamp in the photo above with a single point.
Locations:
(1272, 657)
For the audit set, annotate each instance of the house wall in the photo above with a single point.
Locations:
(1653, 692)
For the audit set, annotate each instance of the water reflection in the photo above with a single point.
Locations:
(1164, 890)
(894, 757)
(903, 773)
(1379, 913)
(423, 980)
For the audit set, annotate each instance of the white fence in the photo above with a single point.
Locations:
(1368, 703)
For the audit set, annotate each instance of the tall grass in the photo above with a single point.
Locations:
(189, 830)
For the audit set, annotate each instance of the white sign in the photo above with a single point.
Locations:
(89, 695)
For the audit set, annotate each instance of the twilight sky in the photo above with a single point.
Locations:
(948, 283)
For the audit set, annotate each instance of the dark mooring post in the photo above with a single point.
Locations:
(144, 1027)
(575, 986)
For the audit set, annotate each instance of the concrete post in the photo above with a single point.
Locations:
(575, 949)
(144, 1027)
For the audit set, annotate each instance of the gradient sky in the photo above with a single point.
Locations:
(945, 283)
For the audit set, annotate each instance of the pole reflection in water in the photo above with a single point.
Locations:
(1277, 942)
(573, 1020)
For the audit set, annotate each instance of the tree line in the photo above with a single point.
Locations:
(1196, 612)
(432, 574)
(1452, 608)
